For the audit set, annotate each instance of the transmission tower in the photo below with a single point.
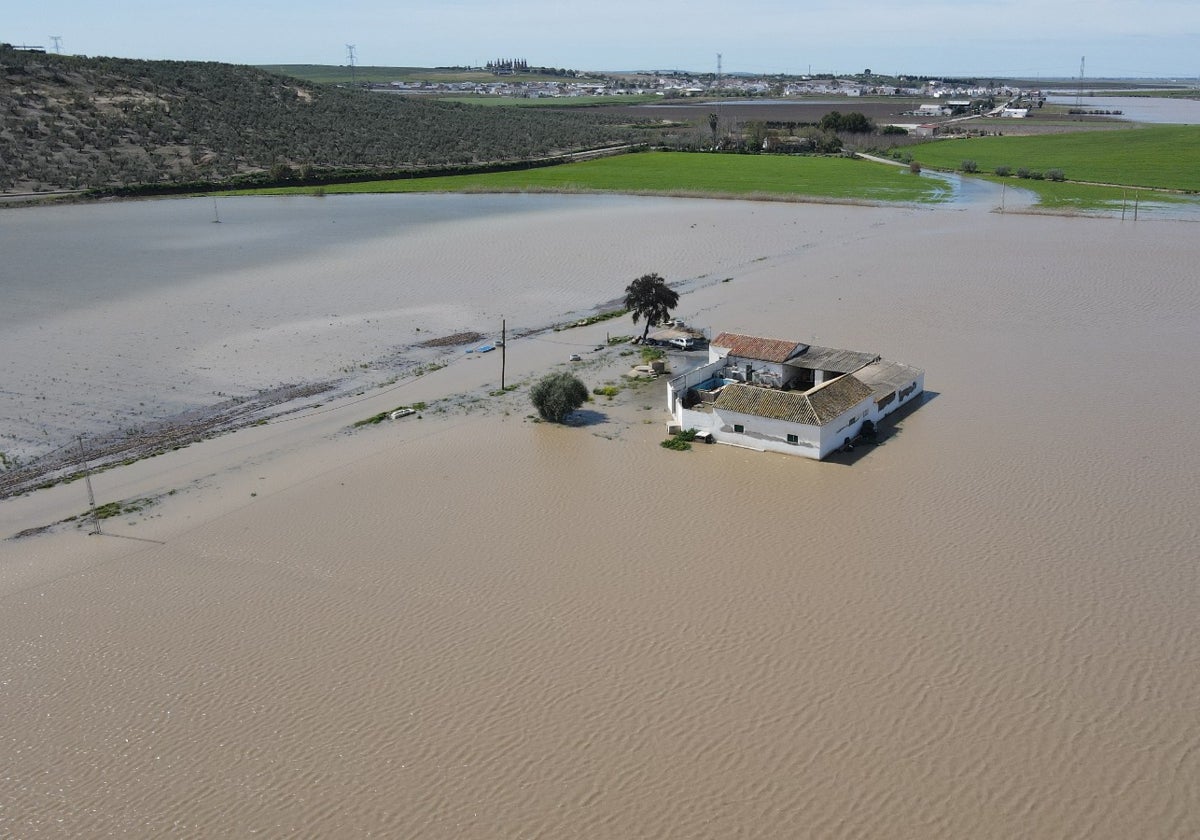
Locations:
(718, 84)
(57, 39)
(1079, 93)
(350, 59)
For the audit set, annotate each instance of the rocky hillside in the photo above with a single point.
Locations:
(68, 122)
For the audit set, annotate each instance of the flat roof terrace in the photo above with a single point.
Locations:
(884, 377)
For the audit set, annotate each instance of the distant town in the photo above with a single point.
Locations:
(508, 82)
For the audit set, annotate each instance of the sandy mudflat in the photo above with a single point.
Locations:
(476, 626)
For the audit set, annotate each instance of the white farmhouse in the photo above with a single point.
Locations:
(784, 396)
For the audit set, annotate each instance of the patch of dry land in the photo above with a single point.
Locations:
(465, 624)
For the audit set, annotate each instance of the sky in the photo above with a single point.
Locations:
(961, 38)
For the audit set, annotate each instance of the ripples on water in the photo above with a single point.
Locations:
(984, 627)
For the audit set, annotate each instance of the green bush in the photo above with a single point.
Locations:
(1003, 171)
(681, 442)
(556, 395)
(969, 166)
(1055, 175)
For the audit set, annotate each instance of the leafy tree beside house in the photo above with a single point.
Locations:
(651, 298)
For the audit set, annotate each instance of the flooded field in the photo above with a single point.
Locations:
(471, 625)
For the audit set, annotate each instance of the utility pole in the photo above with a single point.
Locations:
(350, 59)
(87, 478)
(503, 349)
(57, 39)
(717, 90)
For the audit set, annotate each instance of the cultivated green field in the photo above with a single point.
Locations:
(1066, 196)
(681, 173)
(1168, 93)
(1161, 157)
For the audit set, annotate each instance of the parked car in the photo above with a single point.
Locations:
(683, 343)
(575, 357)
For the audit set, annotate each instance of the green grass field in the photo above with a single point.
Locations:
(1165, 93)
(680, 173)
(1162, 157)
(1088, 197)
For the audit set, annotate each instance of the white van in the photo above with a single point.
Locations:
(683, 343)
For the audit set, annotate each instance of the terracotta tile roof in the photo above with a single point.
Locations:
(762, 349)
(814, 408)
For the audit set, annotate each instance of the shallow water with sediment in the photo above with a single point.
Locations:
(475, 625)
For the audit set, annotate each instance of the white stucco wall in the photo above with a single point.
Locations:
(739, 366)
(677, 386)
(847, 425)
(910, 392)
(767, 435)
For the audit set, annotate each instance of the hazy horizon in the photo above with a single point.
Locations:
(1009, 39)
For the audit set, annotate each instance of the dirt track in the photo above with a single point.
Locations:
(68, 463)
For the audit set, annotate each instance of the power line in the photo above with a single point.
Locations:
(87, 478)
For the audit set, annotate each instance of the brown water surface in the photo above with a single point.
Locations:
(481, 627)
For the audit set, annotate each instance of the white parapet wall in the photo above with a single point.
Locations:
(678, 386)
(900, 397)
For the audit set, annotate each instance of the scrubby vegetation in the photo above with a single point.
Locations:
(70, 122)
(556, 395)
(681, 441)
(121, 508)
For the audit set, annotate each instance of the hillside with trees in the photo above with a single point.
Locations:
(69, 122)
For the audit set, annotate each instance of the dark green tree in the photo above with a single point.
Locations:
(556, 395)
(857, 123)
(831, 121)
(651, 298)
(756, 135)
(852, 123)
